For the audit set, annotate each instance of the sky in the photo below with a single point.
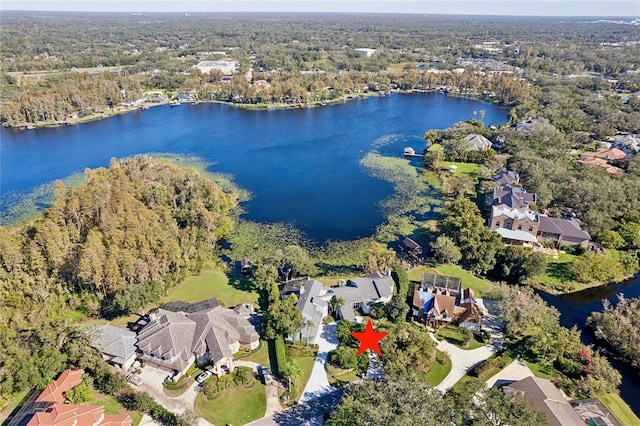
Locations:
(628, 8)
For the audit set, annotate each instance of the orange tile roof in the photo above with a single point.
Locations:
(57, 413)
(69, 379)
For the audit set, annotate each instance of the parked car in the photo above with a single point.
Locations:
(204, 376)
(135, 379)
(266, 375)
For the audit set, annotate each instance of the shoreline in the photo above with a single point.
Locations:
(112, 112)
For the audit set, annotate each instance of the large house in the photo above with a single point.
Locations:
(507, 177)
(181, 333)
(515, 219)
(117, 345)
(562, 231)
(546, 398)
(477, 142)
(440, 300)
(608, 154)
(511, 196)
(361, 294)
(515, 226)
(313, 307)
(50, 409)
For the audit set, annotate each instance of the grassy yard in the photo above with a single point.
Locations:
(557, 277)
(209, 283)
(112, 406)
(469, 169)
(236, 406)
(338, 376)
(439, 369)
(213, 283)
(620, 410)
(468, 280)
(455, 336)
(306, 365)
(259, 355)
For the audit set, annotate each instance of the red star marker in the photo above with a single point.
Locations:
(369, 339)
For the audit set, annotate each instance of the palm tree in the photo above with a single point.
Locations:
(309, 324)
(336, 302)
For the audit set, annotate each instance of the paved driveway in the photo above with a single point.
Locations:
(152, 384)
(318, 384)
(462, 361)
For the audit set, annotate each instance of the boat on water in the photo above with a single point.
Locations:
(174, 103)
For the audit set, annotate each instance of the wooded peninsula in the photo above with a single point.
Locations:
(548, 201)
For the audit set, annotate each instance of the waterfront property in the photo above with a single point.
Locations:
(440, 300)
(181, 333)
(313, 307)
(546, 398)
(360, 294)
(562, 231)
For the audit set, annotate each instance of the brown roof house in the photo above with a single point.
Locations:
(181, 333)
(546, 398)
(361, 294)
(599, 162)
(562, 231)
(50, 409)
(516, 226)
(511, 196)
(437, 305)
(608, 154)
(508, 177)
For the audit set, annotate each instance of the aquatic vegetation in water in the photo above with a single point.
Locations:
(414, 199)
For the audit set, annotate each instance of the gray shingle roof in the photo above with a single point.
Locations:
(568, 227)
(198, 328)
(478, 142)
(506, 176)
(546, 398)
(117, 343)
(512, 196)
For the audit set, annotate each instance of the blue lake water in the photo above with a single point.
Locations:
(302, 166)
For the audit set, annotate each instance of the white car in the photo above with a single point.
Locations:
(135, 379)
(204, 376)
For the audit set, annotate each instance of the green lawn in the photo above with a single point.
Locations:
(209, 283)
(439, 369)
(112, 406)
(338, 376)
(306, 365)
(468, 280)
(469, 169)
(620, 410)
(213, 283)
(455, 336)
(236, 406)
(259, 355)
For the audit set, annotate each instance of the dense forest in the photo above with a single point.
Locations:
(618, 326)
(49, 66)
(101, 249)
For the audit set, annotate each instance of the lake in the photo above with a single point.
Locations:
(302, 166)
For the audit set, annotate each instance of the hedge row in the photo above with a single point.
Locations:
(281, 356)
